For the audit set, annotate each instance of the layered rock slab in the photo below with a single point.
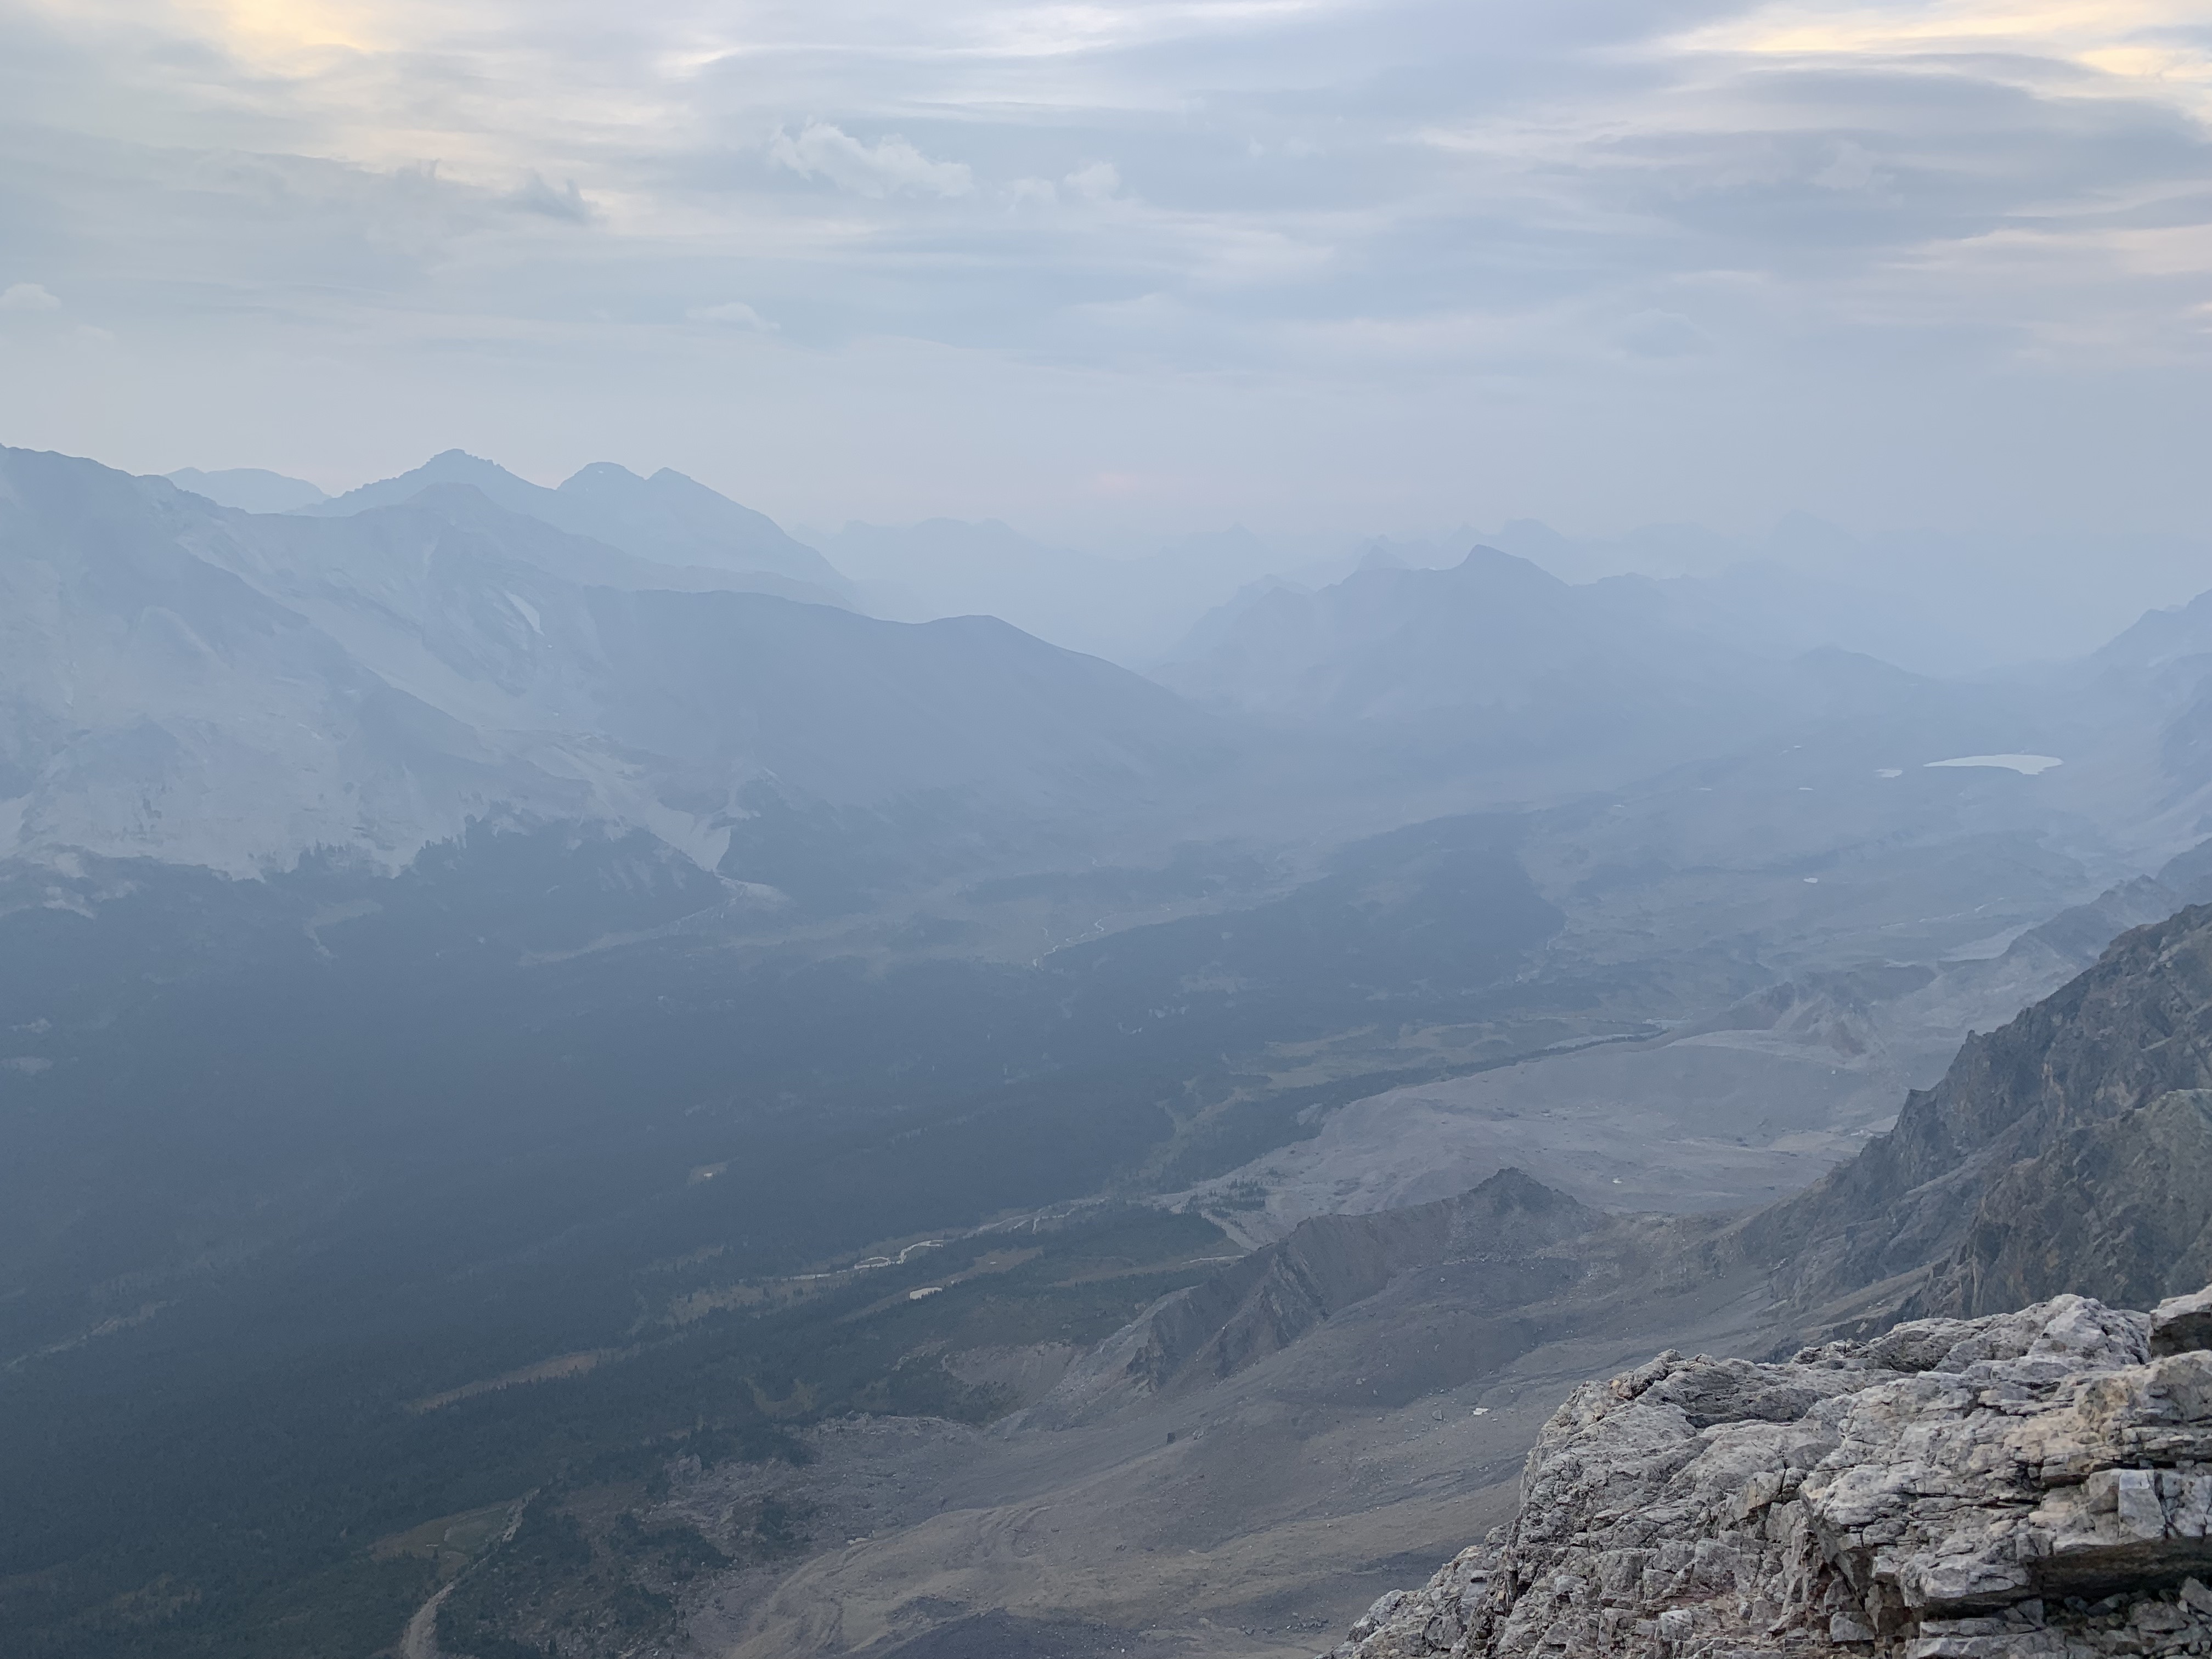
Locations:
(2035, 1483)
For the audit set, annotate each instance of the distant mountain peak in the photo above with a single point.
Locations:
(447, 462)
(447, 466)
(668, 519)
(592, 473)
(2162, 635)
(1484, 559)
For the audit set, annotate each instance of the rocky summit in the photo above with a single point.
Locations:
(1936, 1475)
(2029, 1483)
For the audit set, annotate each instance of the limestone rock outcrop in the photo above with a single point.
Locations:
(2033, 1483)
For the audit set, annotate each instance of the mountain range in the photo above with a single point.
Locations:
(203, 686)
(625, 1097)
(375, 671)
(1493, 664)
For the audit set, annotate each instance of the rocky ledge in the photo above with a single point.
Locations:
(2034, 1483)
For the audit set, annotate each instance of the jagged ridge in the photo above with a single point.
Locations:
(1925, 1220)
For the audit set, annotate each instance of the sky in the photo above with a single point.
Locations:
(1102, 266)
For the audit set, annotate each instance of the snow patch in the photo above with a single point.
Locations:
(528, 613)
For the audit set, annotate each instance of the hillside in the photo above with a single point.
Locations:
(184, 683)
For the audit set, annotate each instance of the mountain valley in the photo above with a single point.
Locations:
(563, 1089)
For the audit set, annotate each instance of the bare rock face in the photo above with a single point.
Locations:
(2034, 1483)
(2071, 1149)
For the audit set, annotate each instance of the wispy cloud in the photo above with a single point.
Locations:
(734, 313)
(819, 150)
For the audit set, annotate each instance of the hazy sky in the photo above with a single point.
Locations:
(1290, 262)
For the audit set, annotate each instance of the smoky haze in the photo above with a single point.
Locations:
(960, 832)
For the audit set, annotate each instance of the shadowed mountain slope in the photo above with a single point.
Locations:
(1274, 1296)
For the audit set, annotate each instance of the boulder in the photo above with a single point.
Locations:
(2182, 1323)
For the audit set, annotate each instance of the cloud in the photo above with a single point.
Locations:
(1097, 181)
(1861, 243)
(2152, 48)
(27, 296)
(566, 203)
(890, 165)
(735, 313)
(1852, 169)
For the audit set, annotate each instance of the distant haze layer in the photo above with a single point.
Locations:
(1118, 268)
(1933, 604)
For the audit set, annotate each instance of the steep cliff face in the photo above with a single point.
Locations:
(2119, 1205)
(1955, 1212)
(2025, 1483)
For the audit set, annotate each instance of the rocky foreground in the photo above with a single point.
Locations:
(2033, 1483)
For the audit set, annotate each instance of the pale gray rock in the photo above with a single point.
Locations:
(2033, 1483)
